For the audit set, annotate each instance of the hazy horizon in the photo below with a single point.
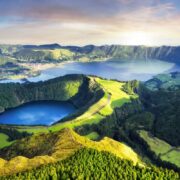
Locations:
(64, 45)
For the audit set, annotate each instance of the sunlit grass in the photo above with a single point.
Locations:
(58, 53)
(4, 140)
(118, 96)
(67, 142)
(93, 135)
(113, 97)
(161, 148)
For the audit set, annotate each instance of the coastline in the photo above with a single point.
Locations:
(36, 68)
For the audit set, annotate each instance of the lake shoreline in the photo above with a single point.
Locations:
(37, 103)
(37, 68)
(107, 68)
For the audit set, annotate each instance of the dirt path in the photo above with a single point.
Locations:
(101, 107)
(105, 104)
(170, 150)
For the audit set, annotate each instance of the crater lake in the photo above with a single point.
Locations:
(37, 113)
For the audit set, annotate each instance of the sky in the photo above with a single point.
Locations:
(81, 22)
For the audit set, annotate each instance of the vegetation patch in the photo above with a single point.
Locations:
(92, 164)
(4, 140)
(95, 112)
(162, 149)
(118, 95)
(93, 135)
(51, 147)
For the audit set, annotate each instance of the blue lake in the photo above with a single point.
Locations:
(47, 113)
(111, 69)
(114, 69)
(37, 113)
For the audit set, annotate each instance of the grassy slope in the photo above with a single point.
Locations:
(118, 96)
(93, 115)
(93, 135)
(66, 142)
(57, 53)
(164, 81)
(162, 149)
(4, 140)
(59, 89)
(106, 144)
(61, 53)
(114, 97)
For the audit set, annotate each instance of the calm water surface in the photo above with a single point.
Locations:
(114, 69)
(142, 70)
(37, 113)
(46, 113)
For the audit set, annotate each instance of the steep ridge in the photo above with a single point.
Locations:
(166, 53)
(47, 148)
(92, 164)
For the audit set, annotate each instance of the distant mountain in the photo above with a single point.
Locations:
(92, 52)
(166, 53)
(44, 46)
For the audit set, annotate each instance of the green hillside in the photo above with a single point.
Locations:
(41, 55)
(46, 56)
(68, 88)
(162, 149)
(164, 104)
(44, 148)
(156, 111)
(96, 98)
(92, 164)
(109, 111)
(4, 140)
(164, 81)
(89, 53)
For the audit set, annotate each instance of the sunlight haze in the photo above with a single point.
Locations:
(78, 22)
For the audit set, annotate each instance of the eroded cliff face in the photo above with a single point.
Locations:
(166, 53)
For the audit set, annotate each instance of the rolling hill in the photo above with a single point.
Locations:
(47, 148)
(92, 164)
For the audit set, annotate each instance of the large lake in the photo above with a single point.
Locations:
(143, 70)
(37, 113)
(47, 113)
(114, 69)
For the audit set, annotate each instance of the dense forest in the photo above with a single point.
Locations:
(92, 164)
(77, 89)
(13, 134)
(165, 106)
(156, 111)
